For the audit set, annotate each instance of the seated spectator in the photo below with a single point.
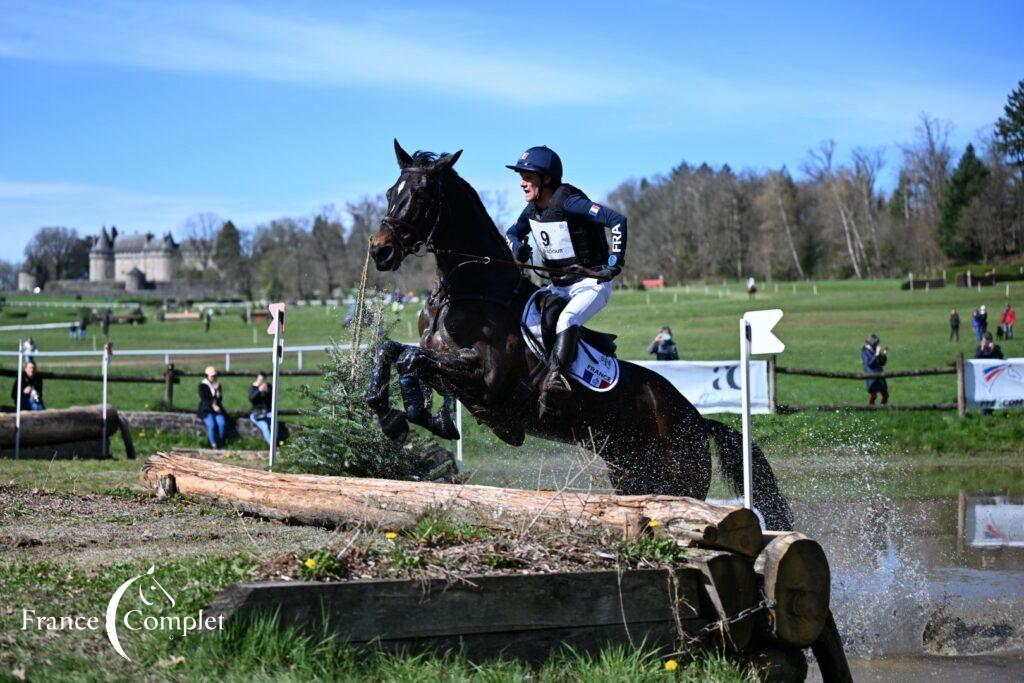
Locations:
(874, 357)
(663, 347)
(31, 389)
(988, 348)
(259, 399)
(211, 408)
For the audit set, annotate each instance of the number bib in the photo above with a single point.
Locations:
(553, 240)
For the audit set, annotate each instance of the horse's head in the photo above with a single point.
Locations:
(415, 203)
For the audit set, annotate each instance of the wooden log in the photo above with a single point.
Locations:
(63, 425)
(335, 501)
(522, 616)
(728, 586)
(796, 575)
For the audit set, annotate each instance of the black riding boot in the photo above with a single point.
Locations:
(562, 355)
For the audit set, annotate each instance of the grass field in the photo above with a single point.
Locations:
(823, 330)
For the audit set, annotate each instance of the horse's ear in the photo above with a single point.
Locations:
(447, 162)
(404, 160)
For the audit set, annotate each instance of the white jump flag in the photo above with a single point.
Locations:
(755, 337)
(276, 328)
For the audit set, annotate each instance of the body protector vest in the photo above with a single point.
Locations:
(565, 240)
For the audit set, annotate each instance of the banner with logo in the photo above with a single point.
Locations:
(994, 383)
(714, 386)
(994, 521)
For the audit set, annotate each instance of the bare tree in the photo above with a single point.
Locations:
(57, 253)
(201, 230)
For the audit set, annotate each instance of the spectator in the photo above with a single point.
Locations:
(983, 320)
(874, 358)
(31, 388)
(211, 408)
(663, 347)
(29, 349)
(207, 319)
(1007, 321)
(73, 330)
(259, 399)
(988, 348)
(954, 325)
(105, 323)
(976, 324)
(751, 286)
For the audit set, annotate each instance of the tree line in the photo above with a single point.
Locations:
(830, 219)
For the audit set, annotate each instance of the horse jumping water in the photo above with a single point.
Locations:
(652, 439)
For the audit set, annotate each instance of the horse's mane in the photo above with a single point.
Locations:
(425, 159)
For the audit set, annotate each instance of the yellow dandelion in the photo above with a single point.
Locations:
(653, 522)
(280, 443)
(391, 535)
(310, 562)
(671, 665)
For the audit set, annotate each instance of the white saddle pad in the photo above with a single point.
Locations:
(592, 369)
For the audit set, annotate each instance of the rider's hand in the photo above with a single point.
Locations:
(606, 273)
(524, 252)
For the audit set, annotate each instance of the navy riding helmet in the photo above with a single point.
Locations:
(541, 160)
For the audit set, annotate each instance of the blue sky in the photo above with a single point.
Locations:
(140, 114)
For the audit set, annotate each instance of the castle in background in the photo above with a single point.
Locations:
(141, 259)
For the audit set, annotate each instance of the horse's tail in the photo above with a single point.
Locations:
(767, 496)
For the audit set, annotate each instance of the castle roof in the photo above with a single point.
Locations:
(144, 242)
(104, 242)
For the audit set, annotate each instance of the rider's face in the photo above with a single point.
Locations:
(531, 183)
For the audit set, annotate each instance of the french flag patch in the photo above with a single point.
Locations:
(594, 210)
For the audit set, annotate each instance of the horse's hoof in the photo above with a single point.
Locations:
(395, 426)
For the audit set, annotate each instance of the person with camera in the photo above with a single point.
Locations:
(31, 389)
(874, 357)
(663, 347)
(260, 399)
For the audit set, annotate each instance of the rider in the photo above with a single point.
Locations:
(570, 232)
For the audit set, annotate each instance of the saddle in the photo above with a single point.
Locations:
(551, 306)
(595, 365)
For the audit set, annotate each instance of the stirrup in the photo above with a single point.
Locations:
(556, 382)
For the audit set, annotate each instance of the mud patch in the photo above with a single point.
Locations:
(93, 529)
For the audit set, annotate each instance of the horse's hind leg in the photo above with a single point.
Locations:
(392, 422)
(418, 398)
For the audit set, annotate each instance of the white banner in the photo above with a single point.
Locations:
(994, 383)
(714, 386)
(995, 521)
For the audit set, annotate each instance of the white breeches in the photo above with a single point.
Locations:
(586, 298)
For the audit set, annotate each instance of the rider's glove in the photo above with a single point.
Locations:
(606, 273)
(521, 250)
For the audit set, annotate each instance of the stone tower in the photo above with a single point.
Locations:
(101, 256)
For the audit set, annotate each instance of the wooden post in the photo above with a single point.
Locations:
(961, 387)
(169, 385)
(961, 518)
(773, 395)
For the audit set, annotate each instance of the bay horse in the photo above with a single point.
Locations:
(650, 436)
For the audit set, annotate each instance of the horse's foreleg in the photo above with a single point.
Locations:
(418, 398)
(392, 422)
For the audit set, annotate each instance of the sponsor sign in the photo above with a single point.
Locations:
(714, 386)
(994, 383)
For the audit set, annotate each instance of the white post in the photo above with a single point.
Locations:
(275, 390)
(1007, 290)
(254, 336)
(458, 444)
(299, 358)
(815, 290)
(675, 297)
(968, 278)
(167, 359)
(227, 362)
(106, 366)
(911, 277)
(748, 471)
(17, 407)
